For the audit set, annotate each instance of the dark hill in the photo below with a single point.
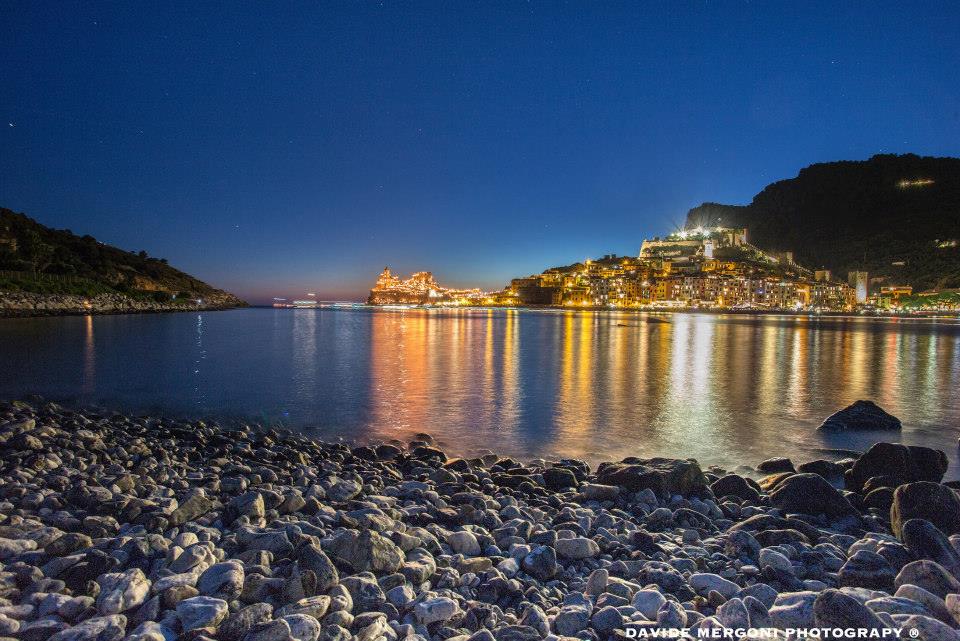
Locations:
(897, 217)
(36, 258)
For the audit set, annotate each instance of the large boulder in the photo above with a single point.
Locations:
(897, 464)
(936, 503)
(662, 475)
(810, 494)
(862, 415)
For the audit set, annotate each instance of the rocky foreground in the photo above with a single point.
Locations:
(117, 527)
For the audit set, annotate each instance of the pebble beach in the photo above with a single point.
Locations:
(144, 528)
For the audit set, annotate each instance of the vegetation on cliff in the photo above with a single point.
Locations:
(36, 258)
(897, 217)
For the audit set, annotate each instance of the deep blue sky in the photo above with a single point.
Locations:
(301, 147)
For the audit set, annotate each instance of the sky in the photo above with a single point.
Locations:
(278, 148)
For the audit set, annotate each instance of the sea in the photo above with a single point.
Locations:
(728, 390)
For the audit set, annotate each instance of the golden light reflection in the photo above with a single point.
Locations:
(88, 384)
(600, 386)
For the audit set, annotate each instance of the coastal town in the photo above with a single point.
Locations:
(701, 268)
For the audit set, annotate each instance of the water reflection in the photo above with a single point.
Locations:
(596, 385)
(88, 380)
(585, 384)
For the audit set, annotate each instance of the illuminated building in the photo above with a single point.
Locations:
(420, 289)
(860, 284)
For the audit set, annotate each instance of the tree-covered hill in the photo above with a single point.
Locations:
(36, 258)
(897, 217)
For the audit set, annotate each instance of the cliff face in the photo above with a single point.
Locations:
(48, 270)
(897, 217)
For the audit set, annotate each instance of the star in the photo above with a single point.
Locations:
(10, 124)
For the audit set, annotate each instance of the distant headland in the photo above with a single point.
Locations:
(46, 272)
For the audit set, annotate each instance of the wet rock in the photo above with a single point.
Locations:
(933, 502)
(735, 485)
(861, 416)
(898, 463)
(775, 465)
(810, 494)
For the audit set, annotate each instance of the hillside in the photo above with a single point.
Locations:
(897, 217)
(39, 260)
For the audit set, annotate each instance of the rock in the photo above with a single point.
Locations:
(365, 551)
(239, 623)
(927, 629)
(436, 609)
(932, 604)
(733, 614)
(861, 416)
(201, 612)
(106, 628)
(793, 610)
(775, 465)
(541, 563)
(190, 509)
(648, 603)
(250, 505)
(771, 558)
(222, 579)
(606, 620)
(577, 548)
(513, 633)
(572, 618)
(463, 542)
(896, 605)
(343, 490)
(303, 627)
(735, 485)
(662, 475)
(834, 609)
(599, 492)
(559, 478)
(122, 591)
(810, 494)
(276, 630)
(867, 569)
(933, 502)
(930, 576)
(312, 558)
(899, 463)
(704, 583)
(419, 566)
(671, 615)
(316, 606)
(952, 604)
(925, 541)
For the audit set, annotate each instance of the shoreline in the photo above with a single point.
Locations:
(32, 305)
(120, 526)
(665, 311)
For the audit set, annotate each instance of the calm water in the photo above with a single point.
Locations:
(600, 386)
